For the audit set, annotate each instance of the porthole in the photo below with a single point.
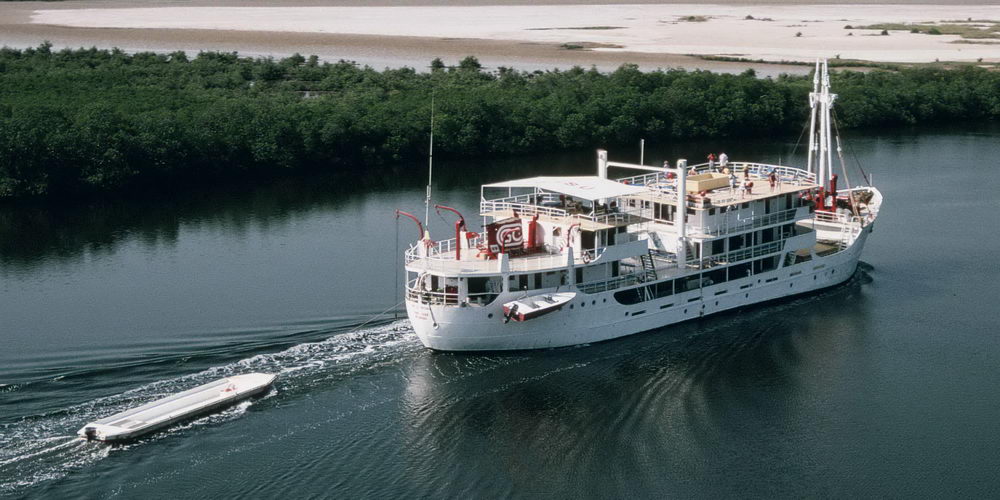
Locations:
(790, 285)
(814, 277)
(685, 311)
(583, 304)
(716, 302)
(593, 302)
(571, 306)
(605, 301)
(746, 295)
(490, 315)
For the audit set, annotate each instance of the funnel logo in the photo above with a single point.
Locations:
(510, 236)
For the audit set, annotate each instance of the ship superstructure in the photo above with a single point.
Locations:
(570, 260)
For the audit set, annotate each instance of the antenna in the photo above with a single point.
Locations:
(430, 168)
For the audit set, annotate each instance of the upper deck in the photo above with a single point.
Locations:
(718, 192)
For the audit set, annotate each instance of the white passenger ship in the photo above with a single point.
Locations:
(571, 260)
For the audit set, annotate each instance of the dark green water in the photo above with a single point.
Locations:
(885, 386)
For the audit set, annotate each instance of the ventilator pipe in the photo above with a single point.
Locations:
(420, 227)
(459, 227)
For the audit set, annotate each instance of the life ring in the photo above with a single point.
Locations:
(586, 258)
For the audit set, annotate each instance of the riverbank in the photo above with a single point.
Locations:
(94, 122)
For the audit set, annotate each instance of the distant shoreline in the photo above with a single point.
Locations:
(527, 37)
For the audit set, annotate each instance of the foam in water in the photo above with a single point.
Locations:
(44, 447)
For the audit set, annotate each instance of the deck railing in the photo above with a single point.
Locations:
(440, 257)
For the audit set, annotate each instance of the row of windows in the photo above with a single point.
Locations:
(688, 283)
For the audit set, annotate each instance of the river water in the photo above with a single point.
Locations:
(885, 386)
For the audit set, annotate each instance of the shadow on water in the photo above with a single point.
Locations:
(33, 233)
(641, 413)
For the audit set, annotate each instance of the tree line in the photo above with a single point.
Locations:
(89, 121)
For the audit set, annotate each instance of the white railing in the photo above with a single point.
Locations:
(741, 254)
(728, 225)
(526, 209)
(441, 258)
(414, 293)
(611, 284)
(784, 173)
(522, 208)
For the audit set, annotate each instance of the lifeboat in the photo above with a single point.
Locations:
(535, 306)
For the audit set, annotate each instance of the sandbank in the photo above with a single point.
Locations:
(509, 33)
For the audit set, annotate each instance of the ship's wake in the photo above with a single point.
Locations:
(44, 446)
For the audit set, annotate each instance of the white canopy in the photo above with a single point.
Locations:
(583, 187)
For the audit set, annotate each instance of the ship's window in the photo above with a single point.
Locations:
(718, 246)
(628, 297)
(611, 237)
(692, 283)
(711, 211)
(665, 288)
(745, 205)
(579, 275)
(735, 243)
(615, 268)
(737, 271)
(538, 280)
(690, 211)
(522, 282)
(434, 283)
(714, 277)
(767, 235)
(490, 315)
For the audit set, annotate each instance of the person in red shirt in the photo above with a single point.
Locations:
(711, 161)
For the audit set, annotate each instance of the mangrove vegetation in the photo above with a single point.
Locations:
(89, 121)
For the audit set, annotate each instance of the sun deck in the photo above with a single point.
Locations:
(660, 189)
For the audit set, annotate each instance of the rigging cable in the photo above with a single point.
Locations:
(798, 141)
(850, 148)
(395, 265)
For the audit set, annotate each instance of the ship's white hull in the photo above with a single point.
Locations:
(598, 317)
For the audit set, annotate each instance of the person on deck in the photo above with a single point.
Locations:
(711, 161)
(723, 159)
(732, 182)
(772, 178)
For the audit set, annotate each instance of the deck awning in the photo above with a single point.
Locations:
(582, 187)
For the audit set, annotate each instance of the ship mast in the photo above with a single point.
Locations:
(821, 102)
(430, 170)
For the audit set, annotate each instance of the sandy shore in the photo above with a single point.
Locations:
(506, 32)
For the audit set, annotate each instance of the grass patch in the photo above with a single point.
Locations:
(589, 45)
(694, 19)
(966, 31)
(580, 28)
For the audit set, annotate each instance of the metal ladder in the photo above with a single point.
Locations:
(648, 267)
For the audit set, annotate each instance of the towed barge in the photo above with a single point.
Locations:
(161, 413)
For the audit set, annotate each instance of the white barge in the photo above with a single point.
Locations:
(163, 412)
(641, 252)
